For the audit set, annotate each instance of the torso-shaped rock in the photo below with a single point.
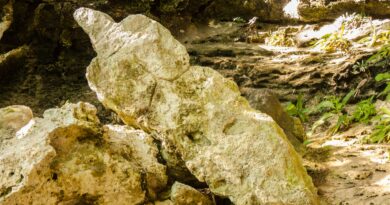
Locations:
(239, 152)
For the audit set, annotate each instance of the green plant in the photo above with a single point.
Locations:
(239, 20)
(360, 67)
(381, 132)
(382, 54)
(364, 110)
(281, 37)
(379, 59)
(298, 109)
(385, 77)
(334, 41)
(335, 104)
(333, 107)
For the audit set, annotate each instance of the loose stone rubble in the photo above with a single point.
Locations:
(66, 157)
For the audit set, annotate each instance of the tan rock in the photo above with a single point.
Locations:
(66, 158)
(182, 194)
(143, 74)
(268, 103)
(15, 117)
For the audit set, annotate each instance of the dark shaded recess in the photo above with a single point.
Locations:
(54, 70)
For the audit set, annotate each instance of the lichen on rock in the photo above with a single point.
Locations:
(66, 157)
(143, 74)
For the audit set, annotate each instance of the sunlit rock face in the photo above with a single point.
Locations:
(143, 74)
(67, 158)
(318, 10)
(6, 13)
(267, 102)
(14, 117)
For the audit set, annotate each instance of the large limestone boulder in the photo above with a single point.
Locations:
(67, 158)
(143, 74)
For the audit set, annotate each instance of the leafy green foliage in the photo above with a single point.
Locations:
(239, 20)
(382, 54)
(379, 59)
(381, 131)
(334, 107)
(334, 42)
(364, 110)
(384, 77)
(360, 67)
(335, 104)
(298, 109)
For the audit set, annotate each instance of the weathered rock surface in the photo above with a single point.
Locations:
(67, 158)
(182, 194)
(290, 71)
(142, 73)
(12, 119)
(318, 10)
(268, 103)
(6, 16)
(15, 117)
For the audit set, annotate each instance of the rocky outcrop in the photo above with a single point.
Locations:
(268, 103)
(318, 10)
(143, 74)
(66, 157)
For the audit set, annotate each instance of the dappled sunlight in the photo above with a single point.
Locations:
(376, 155)
(24, 130)
(339, 143)
(339, 163)
(384, 183)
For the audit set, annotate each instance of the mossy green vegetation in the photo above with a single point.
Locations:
(381, 132)
(298, 109)
(332, 109)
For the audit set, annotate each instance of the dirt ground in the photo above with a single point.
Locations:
(348, 172)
